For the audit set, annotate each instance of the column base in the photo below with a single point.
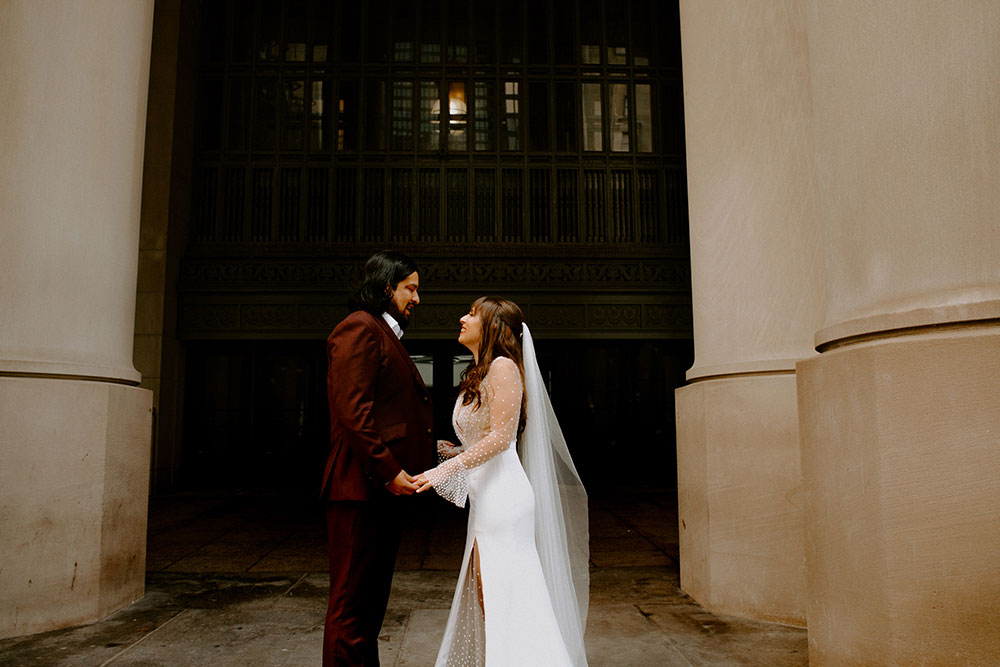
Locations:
(739, 495)
(74, 486)
(901, 456)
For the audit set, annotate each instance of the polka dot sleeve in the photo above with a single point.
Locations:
(501, 391)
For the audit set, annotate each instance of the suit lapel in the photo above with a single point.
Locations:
(400, 349)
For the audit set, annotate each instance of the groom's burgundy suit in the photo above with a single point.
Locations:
(380, 423)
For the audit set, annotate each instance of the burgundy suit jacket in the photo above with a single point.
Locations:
(381, 419)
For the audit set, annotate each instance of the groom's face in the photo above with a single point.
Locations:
(404, 298)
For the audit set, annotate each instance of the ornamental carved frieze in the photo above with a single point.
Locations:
(209, 317)
(269, 316)
(545, 316)
(667, 274)
(435, 320)
(583, 297)
(439, 317)
(321, 317)
(614, 316)
(675, 317)
(200, 274)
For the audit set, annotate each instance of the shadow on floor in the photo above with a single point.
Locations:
(241, 581)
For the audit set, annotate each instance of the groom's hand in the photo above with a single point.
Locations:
(402, 485)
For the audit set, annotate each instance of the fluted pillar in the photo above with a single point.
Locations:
(757, 298)
(900, 413)
(74, 427)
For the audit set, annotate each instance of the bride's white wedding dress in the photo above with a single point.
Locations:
(510, 619)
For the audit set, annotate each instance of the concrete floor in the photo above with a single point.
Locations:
(241, 581)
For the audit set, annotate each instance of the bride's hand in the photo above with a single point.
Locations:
(422, 483)
(446, 450)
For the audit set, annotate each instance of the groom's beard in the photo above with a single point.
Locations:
(401, 319)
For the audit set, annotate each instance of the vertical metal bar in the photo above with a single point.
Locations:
(332, 198)
(414, 220)
(275, 231)
(442, 202)
(497, 206)
(553, 202)
(359, 198)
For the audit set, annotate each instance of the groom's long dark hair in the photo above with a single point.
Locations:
(383, 271)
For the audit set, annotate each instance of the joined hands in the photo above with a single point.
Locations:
(406, 484)
(402, 484)
(422, 483)
(446, 450)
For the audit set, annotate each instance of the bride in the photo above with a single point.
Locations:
(523, 590)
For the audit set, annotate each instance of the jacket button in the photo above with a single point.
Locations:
(429, 431)
(426, 399)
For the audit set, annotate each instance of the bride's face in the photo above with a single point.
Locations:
(472, 331)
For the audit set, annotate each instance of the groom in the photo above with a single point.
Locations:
(380, 432)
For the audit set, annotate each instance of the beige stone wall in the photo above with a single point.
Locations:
(899, 415)
(756, 264)
(74, 430)
(757, 295)
(870, 131)
(908, 147)
(72, 131)
(740, 497)
(73, 491)
(900, 455)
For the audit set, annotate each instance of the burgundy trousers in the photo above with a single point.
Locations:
(363, 538)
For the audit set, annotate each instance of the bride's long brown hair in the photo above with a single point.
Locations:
(502, 322)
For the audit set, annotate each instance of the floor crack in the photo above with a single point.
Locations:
(144, 637)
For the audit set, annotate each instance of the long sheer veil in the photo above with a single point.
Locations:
(562, 532)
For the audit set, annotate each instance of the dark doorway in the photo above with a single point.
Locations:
(256, 415)
(536, 150)
(615, 403)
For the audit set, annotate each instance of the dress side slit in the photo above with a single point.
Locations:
(477, 568)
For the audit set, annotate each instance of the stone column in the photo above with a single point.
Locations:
(757, 297)
(166, 198)
(74, 428)
(900, 413)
